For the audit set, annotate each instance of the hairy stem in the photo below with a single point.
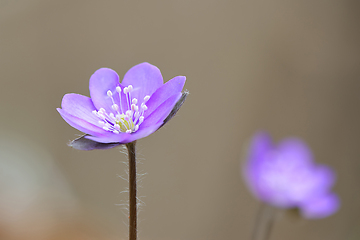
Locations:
(264, 223)
(132, 191)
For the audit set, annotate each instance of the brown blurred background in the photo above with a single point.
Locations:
(289, 67)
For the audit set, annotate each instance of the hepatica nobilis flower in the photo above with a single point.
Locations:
(119, 113)
(286, 176)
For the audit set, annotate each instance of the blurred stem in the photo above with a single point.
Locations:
(132, 191)
(264, 222)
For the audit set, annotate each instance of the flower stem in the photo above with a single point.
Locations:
(264, 223)
(132, 191)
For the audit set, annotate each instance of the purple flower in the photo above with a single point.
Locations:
(285, 176)
(119, 113)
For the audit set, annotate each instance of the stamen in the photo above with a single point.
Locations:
(146, 98)
(126, 120)
(128, 99)
(134, 108)
(130, 88)
(137, 114)
(115, 107)
(118, 89)
(102, 116)
(112, 117)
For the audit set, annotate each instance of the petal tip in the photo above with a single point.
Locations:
(105, 70)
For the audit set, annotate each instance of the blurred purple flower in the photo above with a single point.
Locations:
(285, 176)
(122, 112)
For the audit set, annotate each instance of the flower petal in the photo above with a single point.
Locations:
(159, 115)
(326, 176)
(83, 143)
(110, 138)
(321, 207)
(163, 93)
(296, 151)
(144, 132)
(79, 106)
(145, 79)
(101, 81)
(317, 183)
(81, 124)
(260, 146)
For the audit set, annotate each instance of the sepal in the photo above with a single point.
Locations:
(83, 143)
(176, 108)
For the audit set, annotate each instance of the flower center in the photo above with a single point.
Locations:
(126, 117)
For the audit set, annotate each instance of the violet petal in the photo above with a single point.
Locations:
(159, 115)
(321, 207)
(296, 150)
(322, 179)
(101, 81)
(79, 106)
(144, 132)
(171, 87)
(81, 124)
(110, 138)
(145, 79)
(260, 145)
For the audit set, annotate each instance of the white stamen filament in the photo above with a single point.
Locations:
(120, 120)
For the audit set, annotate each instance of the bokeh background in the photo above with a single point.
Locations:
(289, 67)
